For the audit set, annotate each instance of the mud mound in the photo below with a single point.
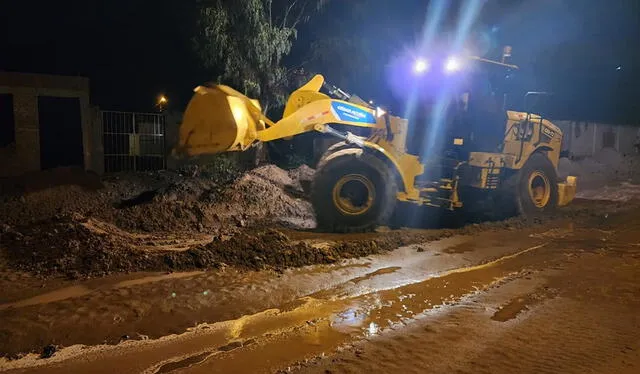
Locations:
(302, 177)
(64, 198)
(605, 167)
(262, 198)
(272, 249)
(41, 195)
(272, 174)
(74, 246)
(67, 246)
(266, 194)
(196, 199)
(41, 205)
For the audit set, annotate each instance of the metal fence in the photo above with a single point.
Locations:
(133, 141)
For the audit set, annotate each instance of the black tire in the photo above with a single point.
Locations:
(534, 188)
(374, 184)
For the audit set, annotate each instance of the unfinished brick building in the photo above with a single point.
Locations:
(46, 122)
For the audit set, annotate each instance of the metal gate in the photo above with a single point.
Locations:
(133, 141)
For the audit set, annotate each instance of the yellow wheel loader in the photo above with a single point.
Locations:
(360, 178)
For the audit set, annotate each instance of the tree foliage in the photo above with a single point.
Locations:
(246, 40)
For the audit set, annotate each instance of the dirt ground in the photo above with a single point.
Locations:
(222, 271)
(560, 296)
(70, 224)
(573, 309)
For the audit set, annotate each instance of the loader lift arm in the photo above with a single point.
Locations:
(221, 119)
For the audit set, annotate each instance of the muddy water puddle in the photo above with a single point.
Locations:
(158, 305)
(362, 317)
(85, 289)
(49, 297)
(282, 337)
(523, 303)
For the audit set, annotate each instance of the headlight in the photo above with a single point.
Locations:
(380, 112)
(452, 65)
(420, 66)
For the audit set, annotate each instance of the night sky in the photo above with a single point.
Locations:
(587, 51)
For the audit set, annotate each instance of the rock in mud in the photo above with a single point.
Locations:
(48, 351)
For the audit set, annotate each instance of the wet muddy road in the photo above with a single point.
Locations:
(554, 298)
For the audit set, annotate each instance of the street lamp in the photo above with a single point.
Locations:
(162, 102)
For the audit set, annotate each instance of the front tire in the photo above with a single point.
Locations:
(353, 191)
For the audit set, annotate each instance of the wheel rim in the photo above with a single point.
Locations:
(539, 189)
(353, 194)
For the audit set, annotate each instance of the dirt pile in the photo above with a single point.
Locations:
(261, 196)
(187, 200)
(45, 205)
(69, 229)
(274, 249)
(75, 246)
(151, 221)
(35, 204)
(67, 245)
(606, 166)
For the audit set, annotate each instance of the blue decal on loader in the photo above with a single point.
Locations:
(351, 113)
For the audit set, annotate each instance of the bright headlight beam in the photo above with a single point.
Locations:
(452, 65)
(469, 11)
(420, 66)
(435, 12)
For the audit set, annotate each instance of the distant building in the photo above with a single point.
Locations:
(45, 122)
(584, 139)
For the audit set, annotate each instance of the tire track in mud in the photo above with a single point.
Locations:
(317, 326)
(586, 320)
(104, 314)
(554, 340)
(465, 340)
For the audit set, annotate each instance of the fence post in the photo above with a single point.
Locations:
(595, 136)
(133, 129)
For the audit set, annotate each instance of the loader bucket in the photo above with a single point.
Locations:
(218, 119)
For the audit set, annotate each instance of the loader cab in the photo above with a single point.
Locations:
(485, 96)
(485, 111)
(466, 114)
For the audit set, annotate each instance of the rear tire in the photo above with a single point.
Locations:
(534, 187)
(353, 191)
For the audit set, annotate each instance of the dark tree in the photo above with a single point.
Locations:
(247, 41)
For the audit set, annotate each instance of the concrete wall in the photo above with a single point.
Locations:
(583, 139)
(24, 155)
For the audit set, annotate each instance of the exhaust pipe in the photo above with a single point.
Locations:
(506, 54)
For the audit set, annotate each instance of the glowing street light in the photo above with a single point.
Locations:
(162, 102)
